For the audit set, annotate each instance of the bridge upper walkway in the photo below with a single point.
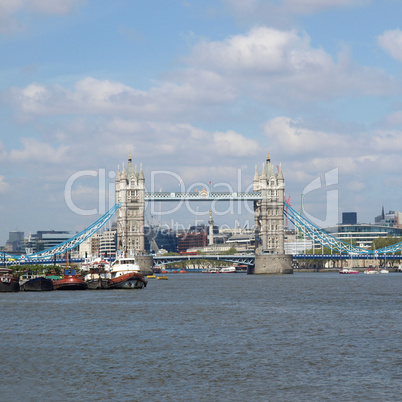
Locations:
(203, 195)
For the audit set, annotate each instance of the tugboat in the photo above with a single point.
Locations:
(97, 277)
(70, 281)
(125, 274)
(8, 282)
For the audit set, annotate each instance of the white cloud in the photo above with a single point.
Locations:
(92, 96)
(234, 144)
(298, 140)
(391, 43)
(282, 67)
(36, 152)
(311, 151)
(4, 186)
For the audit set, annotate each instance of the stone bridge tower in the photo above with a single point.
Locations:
(130, 192)
(270, 255)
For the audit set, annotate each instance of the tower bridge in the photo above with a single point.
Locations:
(269, 211)
(267, 196)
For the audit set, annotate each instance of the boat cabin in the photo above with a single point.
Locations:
(70, 271)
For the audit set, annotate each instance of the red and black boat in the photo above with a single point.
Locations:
(70, 281)
(130, 280)
(8, 282)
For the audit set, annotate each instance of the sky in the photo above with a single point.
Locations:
(198, 92)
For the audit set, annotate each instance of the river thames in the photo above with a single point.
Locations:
(208, 337)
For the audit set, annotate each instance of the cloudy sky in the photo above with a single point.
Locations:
(199, 91)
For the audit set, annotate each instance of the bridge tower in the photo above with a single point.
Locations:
(130, 192)
(270, 255)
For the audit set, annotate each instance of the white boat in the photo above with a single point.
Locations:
(348, 271)
(211, 271)
(122, 268)
(228, 270)
(370, 271)
(384, 271)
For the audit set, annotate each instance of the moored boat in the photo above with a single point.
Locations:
(163, 277)
(38, 284)
(125, 274)
(228, 270)
(241, 269)
(70, 281)
(384, 271)
(98, 283)
(370, 271)
(8, 282)
(97, 277)
(348, 271)
(211, 271)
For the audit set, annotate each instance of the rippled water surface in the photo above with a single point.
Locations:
(227, 337)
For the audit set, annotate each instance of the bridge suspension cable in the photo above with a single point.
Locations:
(73, 241)
(321, 236)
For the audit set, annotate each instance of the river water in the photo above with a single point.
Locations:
(208, 337)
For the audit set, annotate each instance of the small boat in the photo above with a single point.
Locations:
(370, 271)
(211, 271)
(384, 271)
(8, 282)
(125, 274)
(228, 270)
(70, 281)
(97, 277)
(162, 277)
(151, 276)
(348, 271)
(241, 269)
(38, 284)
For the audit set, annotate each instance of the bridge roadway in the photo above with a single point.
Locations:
(243, 259)
(248, 259)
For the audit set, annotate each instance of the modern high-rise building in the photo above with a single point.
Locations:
(349, 218)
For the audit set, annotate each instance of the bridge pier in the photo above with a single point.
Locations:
(271, 264)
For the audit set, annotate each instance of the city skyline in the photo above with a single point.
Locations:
(202, 90)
